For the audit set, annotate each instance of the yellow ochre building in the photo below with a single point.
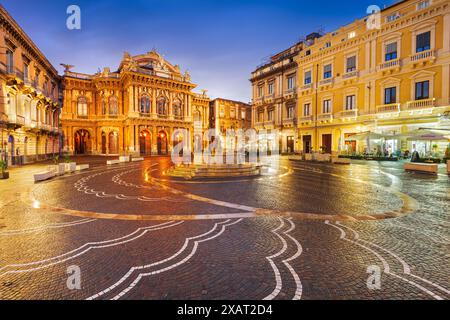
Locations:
(389, 79)
(134, 110)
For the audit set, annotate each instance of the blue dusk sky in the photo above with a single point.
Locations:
(220, 42)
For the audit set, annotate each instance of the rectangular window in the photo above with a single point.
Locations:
(243, 114)
(308, 77)
(392, 17)
(25, 71)
(423, 42)
(350, 102)
(391, 51)
(423, 4)
(290, 112)
(271, 86)
(390, 95)
(260, 116)
(326, 107)
(10, 61)
(270, 115)
(351, 64)
(232, 113)
(260, 91)
(327, 71)
(422, 90)
(307, 109)
(291, 82)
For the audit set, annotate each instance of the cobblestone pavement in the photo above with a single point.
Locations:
(306, 231)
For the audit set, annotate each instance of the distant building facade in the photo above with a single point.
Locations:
(134, 110)
(229, 115)
(29, 98)
(274, 92)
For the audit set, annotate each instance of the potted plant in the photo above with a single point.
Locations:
(69, 166)
(3, 167)
(58, 168)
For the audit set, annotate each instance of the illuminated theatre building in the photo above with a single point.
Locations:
(134, 110)
(29, 98)
(390, 80)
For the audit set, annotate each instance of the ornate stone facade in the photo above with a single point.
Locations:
(229, 115)
(134, 110)
(29, 98)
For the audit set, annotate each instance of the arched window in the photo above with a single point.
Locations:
(177, 109)
(113, 106)
(197, 116)
(48, 116)
(56, 118)
(162, 106)
(82, 107)
(145, 105)
(104, 107)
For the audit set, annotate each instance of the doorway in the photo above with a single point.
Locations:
(327, 143)
(145, 143)
(113, 143)
(103, 143)
(290, 144)
(307, 143)
(163, 148)
(81, 141)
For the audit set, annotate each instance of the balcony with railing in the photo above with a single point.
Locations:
(389, 108)
(145, 115)
(348, 114)
(423, 56)
(269, 123)
(289, 92)
(350, 75)
(269, 97)
(46, 127)
(326, 82)
(389, 65)
(306, 119)
(17, 120)
(306, 87)
(421, 104)
(325, 117)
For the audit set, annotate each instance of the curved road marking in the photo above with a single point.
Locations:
(385, 263)
(299, 290)
(142, 275)
(278, 280)
(87, 247)
(406, 267)
(43, 228)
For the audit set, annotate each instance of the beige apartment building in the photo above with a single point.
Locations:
(274, 92)
(29, 98)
